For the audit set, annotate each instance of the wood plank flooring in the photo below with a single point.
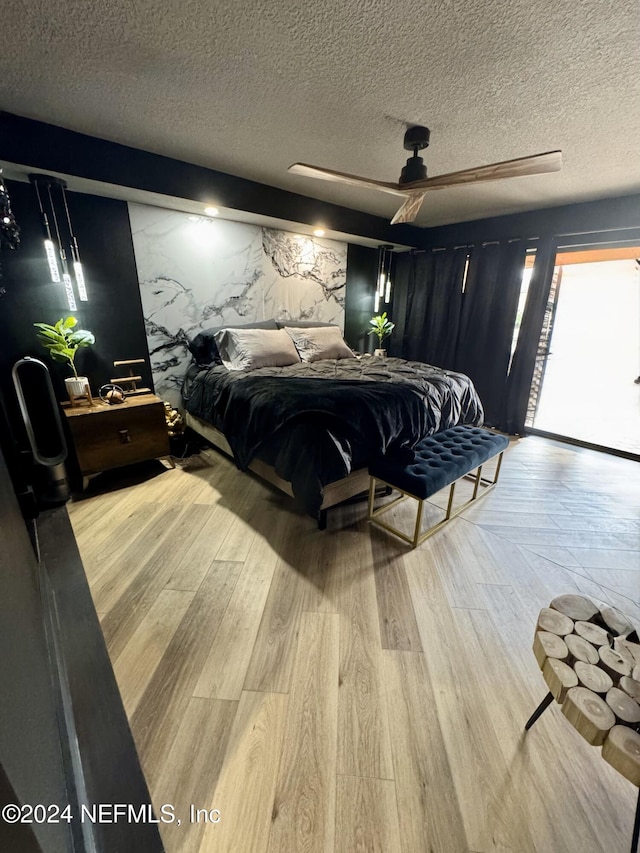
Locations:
(334, 691)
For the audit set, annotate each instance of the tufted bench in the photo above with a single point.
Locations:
(439, 460)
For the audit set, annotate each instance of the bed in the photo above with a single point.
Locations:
(311, 427)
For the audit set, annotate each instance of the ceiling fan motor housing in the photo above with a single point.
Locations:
(415, 139)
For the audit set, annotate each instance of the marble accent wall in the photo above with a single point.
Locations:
(199, 273)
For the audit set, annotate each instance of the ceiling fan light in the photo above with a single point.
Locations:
(414, 170)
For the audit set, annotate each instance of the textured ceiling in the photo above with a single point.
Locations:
(250, 86)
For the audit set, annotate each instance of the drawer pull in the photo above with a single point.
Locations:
(125, 438)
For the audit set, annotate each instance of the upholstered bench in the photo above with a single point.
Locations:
(439, 461)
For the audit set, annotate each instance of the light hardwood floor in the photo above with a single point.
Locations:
(335, 691)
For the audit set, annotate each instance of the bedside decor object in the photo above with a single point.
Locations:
(382, 328)
(63, 341)
(175, 423)
(79, 391)
(129, 383)
(111, 394)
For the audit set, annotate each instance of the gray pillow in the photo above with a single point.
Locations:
(204, 349)
(247, 349)
(316, 343)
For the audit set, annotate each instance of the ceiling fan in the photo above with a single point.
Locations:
(414, 183)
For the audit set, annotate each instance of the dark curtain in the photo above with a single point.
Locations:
(472, 331)
(524, 357)
(432, 282)
(489, 307)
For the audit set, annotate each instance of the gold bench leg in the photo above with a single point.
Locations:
(452, 491)
(478, 479)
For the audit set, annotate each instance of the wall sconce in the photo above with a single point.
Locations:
(383, 280)
(47, 187)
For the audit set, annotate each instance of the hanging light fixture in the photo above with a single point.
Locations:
(49, 248)
(383, 281)
(376, 301)
(54, 245)
(75, 255)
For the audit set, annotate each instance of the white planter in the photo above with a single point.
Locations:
(380, 353)
(76, 387)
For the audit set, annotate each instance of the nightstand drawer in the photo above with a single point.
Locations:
(119, 435)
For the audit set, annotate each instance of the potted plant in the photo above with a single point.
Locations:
(63, 341)
(382, 327)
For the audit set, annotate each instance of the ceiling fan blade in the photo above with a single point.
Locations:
(550, 161)
(410, 209)
(342, 178)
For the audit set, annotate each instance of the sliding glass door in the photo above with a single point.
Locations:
(586, 385)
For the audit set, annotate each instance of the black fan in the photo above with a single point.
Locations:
(414, 183)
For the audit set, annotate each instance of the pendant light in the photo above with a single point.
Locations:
(46, 187)
(383, 280)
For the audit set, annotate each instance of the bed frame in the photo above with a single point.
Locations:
(357, 483)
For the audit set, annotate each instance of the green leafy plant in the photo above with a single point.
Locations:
(63, 340)
(382, 327)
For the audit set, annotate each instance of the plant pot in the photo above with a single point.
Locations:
(380, 353)
(77, 387)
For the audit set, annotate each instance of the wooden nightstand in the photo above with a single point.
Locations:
(110, 436)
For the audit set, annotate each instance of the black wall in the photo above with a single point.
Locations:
(362, 269)
(609, 219)
(55, 149)
(113, 312)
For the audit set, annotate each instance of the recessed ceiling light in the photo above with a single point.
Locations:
(318, 232)
(193, 218)
(211, 211)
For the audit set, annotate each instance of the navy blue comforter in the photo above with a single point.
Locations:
(315, 431)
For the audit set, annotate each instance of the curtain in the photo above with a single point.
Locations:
(471, 331)
(524, 357)
(489, 307)
(433, 284)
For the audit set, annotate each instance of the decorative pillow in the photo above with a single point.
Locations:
(316, 343)
(204, 348)
(302, 324)
(246, 349)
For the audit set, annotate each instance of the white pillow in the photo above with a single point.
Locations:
(247, 349)
(320, 342)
